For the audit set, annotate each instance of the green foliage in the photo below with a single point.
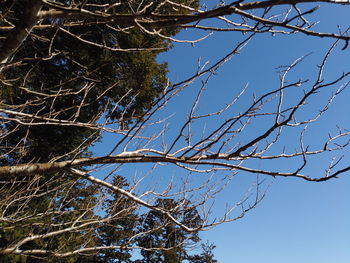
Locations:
(64, 78)
(47, 212)
(60, 77)
(207, 255)
(166, 234)
(120, 228)
(153, 230)
(122, 84)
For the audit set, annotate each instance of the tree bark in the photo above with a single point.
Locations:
(21, 31)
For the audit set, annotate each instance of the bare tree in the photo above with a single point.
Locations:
(216, 153)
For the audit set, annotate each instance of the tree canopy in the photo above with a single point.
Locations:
(63, 76)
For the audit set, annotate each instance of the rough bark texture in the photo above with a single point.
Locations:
(21, 31)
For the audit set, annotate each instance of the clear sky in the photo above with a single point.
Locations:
(298, 221)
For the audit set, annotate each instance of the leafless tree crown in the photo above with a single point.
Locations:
(206, 158)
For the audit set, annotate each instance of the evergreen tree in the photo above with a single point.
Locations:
(162, 233)
(63, 78)
(49, 211)
(120, 228)
(207, 255)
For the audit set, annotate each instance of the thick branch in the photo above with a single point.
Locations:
(21, 31)
(137, 157)
(160, 20)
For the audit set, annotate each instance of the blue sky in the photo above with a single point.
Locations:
(298, 221)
